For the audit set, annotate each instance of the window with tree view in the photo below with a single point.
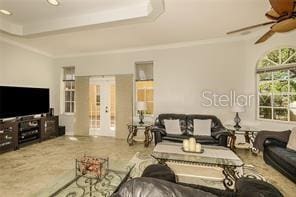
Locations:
(276, 74)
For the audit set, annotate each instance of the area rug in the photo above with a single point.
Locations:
(70, 185)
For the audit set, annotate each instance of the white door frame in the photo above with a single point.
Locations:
(105, 107)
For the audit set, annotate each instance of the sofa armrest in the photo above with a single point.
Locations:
(275, 142)
(221, 132)
(158, 129)
(158, 133)
(262, 136)
(221, 136)
(246, 187)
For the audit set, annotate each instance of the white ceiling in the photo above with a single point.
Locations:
(31, 11)
(38, 16)
(182, 21)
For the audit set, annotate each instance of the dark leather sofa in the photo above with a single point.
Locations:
(278, 156)
(218, 136)
(159, 180)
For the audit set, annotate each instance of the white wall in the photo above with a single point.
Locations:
(182, 74)
(21, 67)
(253, 54)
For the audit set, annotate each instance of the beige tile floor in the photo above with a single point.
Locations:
(30, 169)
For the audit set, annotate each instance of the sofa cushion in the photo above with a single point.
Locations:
(174, 137)
(292, 140)
(172, 126)
(284, 157)
(202, 127)
(215, 126)
(181, 117)
(205, 139)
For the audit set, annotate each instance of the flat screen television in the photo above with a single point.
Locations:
(23, 101)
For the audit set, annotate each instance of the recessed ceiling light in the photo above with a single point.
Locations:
(5, 12)
(53, 2)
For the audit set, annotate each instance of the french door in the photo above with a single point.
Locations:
(102, 106)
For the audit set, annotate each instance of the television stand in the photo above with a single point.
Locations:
(29, 131)
(22, 132)
(8, 136)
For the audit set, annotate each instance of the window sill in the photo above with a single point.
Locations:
(277, 121)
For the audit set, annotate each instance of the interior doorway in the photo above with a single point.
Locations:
(102, 106)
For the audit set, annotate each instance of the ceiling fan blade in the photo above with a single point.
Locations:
(251, 27)
(273, 15)
(285, 25)
(265, 36)
(283, 7)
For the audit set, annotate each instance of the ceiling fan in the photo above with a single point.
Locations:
(283, 16)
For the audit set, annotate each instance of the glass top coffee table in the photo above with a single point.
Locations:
(68, 184)
(215, 156)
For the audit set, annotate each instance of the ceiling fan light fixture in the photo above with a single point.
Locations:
(53, 2)
(5, 12)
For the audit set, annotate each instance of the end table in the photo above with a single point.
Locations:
(248, 132)
(133, 130)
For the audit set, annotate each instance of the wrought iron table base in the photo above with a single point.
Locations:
(133, 130)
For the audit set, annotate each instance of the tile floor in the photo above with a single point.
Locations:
(30, 169)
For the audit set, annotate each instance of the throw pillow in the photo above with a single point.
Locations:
(202, 127)
(172, 126)
(292, 140)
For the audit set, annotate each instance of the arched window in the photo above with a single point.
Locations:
(276, 83)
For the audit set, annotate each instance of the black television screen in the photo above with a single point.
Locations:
(22, 101)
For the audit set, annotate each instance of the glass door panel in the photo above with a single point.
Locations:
(112, 102)
(102, 106)
(94, 106)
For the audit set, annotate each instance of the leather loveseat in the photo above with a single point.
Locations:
(218, 136)
(277, 155)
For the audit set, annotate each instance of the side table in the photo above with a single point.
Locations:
(248, 132)
(133, 130)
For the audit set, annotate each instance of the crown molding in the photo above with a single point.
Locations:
(26, 47)
(159, 47)
(129, 50)
(226, 39)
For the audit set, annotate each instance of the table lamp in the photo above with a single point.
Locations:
(237, 109)
(141, 107)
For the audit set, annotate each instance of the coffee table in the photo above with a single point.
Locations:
(212, 157)
(68, 184)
